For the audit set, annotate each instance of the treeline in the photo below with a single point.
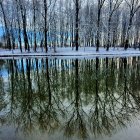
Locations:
(33, 24)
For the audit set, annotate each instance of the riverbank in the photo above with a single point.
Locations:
(87, 51)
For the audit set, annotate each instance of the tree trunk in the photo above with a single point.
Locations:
(77, 25)
(45, 28)
(98, 28)
(23, 14)
(34, 19)
(108, 38)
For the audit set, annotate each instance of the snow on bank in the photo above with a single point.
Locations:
(85, 52)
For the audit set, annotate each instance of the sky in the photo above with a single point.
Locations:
(1, 31)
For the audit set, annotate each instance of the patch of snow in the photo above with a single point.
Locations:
(82, 52)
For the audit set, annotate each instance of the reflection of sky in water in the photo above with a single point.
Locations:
(130, 133)
(3, 73)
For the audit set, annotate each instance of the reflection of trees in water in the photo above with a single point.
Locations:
(77, 123)
(2, 101)
(76, 95)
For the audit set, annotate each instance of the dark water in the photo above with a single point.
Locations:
(76, 99)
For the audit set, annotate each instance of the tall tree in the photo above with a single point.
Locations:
(45, 25)
(100, 6)
(34, 22)
(23, 11)
(77, 8)
(134, 6)
(6, 25)
(113, 6)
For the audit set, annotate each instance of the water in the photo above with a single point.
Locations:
(76, 99)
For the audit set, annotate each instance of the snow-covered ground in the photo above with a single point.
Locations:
(85, 52)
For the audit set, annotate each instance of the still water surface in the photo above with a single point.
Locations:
(75, 99)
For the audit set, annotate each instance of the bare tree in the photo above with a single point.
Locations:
(133, 6)
(77, 8)
(23, 12)
(113, 6)
(34, 22)
(100, 6)
(6, 25)
(45, 25)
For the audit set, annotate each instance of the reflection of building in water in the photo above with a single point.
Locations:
(77, 96)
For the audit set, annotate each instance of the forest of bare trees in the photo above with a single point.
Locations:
(33, 24)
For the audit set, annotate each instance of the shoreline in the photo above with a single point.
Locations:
(68, 52)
